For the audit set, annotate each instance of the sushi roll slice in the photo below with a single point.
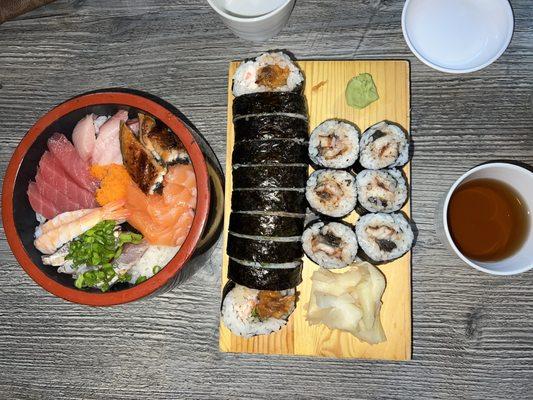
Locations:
(267, 127)
(334, 144)
(249, 312)
(383, 237)
(270, 200)
(276, 151)
(285, 103)
(383, 145)
(331, 192)
(266, 276)
(269, 176)
(270, 72)
(383, 190)
(264, 250)
(330, 244)
(266, 224)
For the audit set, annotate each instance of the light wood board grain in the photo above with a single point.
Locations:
(325, 86)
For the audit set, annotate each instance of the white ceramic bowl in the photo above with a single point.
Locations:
(522, 181)
(255, 29)
(457, 36)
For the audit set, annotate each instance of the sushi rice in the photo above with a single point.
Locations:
(245, 80)
(382, 190)
(384, 237)
(331, 192)
(383, 145)
(330, 244)
(334, 144)
(238, 313)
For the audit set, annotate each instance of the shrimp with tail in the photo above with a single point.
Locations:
(66, 229)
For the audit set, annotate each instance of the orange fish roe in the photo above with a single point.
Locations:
(114, 180)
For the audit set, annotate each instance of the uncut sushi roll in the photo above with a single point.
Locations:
(274, 151)
(249, 312)
(383, 237)
(331, 192)
(267, 127)
(269, 200)
(330, 244)
(383, 190)
(334, 144)
(383, 145)
(264, 249)
(282, 103)
(269, 72)
(265, 276)
(266, 224)
(269, 176)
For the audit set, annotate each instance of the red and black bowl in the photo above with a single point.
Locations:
(19, 218)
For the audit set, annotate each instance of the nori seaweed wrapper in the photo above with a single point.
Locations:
(264, 251)
(269, 102)
(268, 200)
(264, 278)
(270, 152)
(294, 176)
(267, 127)
(266, 225)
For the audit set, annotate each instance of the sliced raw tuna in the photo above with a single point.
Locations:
(63, 150)
(84, 137)
(64, 186)
(39, 203)
(61, 202)
(107, 146)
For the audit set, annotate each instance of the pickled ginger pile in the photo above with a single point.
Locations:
(349, 301)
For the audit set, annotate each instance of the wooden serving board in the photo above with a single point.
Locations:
(324, 89)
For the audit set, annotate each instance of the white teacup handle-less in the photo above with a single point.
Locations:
(518, 178)
(255, 29)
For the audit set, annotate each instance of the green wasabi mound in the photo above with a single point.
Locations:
(361, 91)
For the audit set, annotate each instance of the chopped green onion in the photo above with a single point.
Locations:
(156, 269)
(140, 279)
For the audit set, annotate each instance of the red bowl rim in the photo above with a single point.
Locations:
(176, 263)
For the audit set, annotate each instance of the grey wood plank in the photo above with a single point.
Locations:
(472, 333)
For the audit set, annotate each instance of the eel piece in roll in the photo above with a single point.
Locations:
(270, 152)
(265, 278)
(264, 251)
(290, 201)
(277, 176)
(269, 103)
(266, 127)
(266, 224)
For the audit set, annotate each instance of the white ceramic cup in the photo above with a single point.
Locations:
(457, 36)
(255, 29)
(518, 178)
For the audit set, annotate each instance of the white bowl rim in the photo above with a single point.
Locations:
(445, 216)
(510, 31)
(224, 14)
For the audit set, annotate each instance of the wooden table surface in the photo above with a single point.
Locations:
(472, 333)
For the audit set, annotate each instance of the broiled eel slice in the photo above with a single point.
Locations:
(161, 141)
(140, 163)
